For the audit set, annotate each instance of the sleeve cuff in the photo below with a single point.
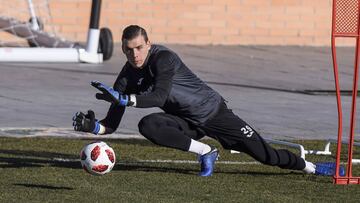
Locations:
(99, 129)
(102, 130)
(96, 128)
(133, 100)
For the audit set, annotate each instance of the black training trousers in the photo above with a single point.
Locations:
(227, 128)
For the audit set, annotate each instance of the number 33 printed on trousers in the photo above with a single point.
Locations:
(247, 131)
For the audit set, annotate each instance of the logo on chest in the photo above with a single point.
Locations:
(140, 81)
(143, 86)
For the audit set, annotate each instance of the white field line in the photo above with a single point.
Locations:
(168, 161)
(175, 161)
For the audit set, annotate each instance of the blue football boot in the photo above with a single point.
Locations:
(328, 169)
(207, 162)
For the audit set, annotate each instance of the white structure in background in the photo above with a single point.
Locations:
(47, 47)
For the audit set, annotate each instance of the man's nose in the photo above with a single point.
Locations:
(136, 52)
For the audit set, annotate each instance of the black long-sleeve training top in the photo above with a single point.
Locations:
(167, 83)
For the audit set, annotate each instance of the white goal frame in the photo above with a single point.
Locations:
(88, 54)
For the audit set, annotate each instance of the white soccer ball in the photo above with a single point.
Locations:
(97, 158)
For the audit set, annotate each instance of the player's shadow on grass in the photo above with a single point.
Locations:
(23, 158)
(49, 187)
(150, 168)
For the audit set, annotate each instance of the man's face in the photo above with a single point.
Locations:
(136, 51)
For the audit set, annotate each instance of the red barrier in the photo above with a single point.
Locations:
(345, 23)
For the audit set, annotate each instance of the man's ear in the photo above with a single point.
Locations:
(123, 48)
(123, 44)
(149, 44)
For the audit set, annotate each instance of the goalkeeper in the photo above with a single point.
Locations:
(155, 76)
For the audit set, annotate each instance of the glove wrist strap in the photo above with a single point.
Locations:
(132, 100)
(96, 128)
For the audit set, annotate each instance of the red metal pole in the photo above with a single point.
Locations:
(339, 106)
(338, 94)
(353, 110)
(346, 23)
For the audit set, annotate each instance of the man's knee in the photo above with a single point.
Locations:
(147, 125)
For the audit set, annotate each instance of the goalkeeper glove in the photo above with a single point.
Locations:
(86, 122)
(111, 95)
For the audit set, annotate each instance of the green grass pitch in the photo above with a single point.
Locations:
(48, 170)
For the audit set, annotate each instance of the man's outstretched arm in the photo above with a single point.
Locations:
(164, 71)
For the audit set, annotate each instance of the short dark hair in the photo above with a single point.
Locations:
(132, 31)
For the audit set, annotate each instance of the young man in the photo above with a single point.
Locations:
(155, 76)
